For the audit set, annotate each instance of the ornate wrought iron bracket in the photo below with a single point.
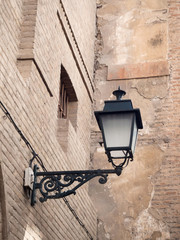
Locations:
(53, 185)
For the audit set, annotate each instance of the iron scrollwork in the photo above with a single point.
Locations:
(53, 185)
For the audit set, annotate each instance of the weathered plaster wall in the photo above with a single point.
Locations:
(133, 52)
(133, 31)
(125, 201)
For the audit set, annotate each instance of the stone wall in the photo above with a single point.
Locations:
(37, 37)
(137, 48)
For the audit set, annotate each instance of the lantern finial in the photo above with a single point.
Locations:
(119, 93)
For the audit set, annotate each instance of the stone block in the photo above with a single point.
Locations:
(139, 70)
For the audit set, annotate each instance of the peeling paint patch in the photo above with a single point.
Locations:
(102, 235)
(148, 228)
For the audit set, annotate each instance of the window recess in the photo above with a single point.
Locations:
(67, 95)
(67, 110)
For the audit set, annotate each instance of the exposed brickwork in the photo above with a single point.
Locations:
(27, 34)
(167, 182)
(79, 27)
(25, 91)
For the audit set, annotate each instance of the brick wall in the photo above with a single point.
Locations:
(1, 217)
(79, 22)
(167, 182)
(30, 73)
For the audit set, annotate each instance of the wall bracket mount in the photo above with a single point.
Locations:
(59, 184)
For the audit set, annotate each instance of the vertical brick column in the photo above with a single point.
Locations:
(28, 29)
(167, 187)
(26, 45)
(174, 115)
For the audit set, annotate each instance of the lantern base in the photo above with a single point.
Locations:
(120, 162)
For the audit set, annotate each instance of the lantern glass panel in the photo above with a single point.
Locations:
(117, 130)
(118, 154)
(134, 137)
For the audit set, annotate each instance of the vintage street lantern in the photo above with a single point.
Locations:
(119, 124)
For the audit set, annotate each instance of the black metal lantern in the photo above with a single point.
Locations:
(119, 124)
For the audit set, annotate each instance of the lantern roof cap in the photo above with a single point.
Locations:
(118, 105)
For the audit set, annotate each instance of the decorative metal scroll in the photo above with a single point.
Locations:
(55, 185)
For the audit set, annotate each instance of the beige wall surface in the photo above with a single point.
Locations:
(133, 31)
(80, 14)
(137, 48)
(36, 39)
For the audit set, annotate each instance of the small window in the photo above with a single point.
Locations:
(67, 109)
(63, 101)
(66, 94)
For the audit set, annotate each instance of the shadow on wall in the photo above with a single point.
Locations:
(6, 220)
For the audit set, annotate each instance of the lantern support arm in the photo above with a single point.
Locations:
(59, 184)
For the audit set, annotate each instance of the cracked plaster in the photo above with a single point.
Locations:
(132, 32)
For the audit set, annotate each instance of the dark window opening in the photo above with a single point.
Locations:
(67, 94)
(63, 102)
(67, 109)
